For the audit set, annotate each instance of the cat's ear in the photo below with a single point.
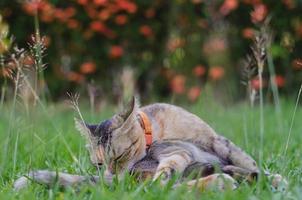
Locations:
(129, 109)
(128, 114)
(86, 130)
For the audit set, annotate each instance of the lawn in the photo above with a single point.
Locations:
(44, 137)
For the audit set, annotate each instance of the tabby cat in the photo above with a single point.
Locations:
(181, 143)
(118, 143)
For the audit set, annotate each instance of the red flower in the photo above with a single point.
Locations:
(177, 84)
(199, 70)
(47, 17)
(116, 51)
(228, 6)
(130, 7)
(121, 19)
(88, 68)
(91, 11)
(104, 15)
(82, 2)
(31, 7)
(97, 26)
(47, 12)
(70, 12)
(100, 2)
(146, 30)
(259, 13)
(101, 28)
(75, 77)
(72, 24)
(255, 83)
(248, 33)
(194, 93)
(216, 73)
(60, 15)
(279, 81)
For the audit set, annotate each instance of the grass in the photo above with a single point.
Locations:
(45, 138)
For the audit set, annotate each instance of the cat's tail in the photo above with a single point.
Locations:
(231, 153)
(49, 178)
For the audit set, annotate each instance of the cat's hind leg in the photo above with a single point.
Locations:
(228, 151)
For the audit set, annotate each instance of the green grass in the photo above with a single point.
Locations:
(45, 138)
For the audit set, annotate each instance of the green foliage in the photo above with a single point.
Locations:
(46, 138)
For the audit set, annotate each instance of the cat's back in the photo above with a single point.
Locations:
(173, 122)
(155, 109)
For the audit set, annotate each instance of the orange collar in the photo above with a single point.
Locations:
(146, 125)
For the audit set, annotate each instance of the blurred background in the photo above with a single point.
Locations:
(180, 50)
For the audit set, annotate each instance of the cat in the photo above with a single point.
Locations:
(180, 142)
(120, 142)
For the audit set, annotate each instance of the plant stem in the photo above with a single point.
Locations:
(261, 120)
(15, 154)
(275, 91)
(3, 88)
(12, 116)
(293, 119)
(38, 56)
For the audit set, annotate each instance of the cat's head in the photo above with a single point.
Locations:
(116, 143)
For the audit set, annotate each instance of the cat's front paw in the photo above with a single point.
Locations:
(164, 174)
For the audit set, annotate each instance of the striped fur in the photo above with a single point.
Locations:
(125, 144)
(183, 144)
